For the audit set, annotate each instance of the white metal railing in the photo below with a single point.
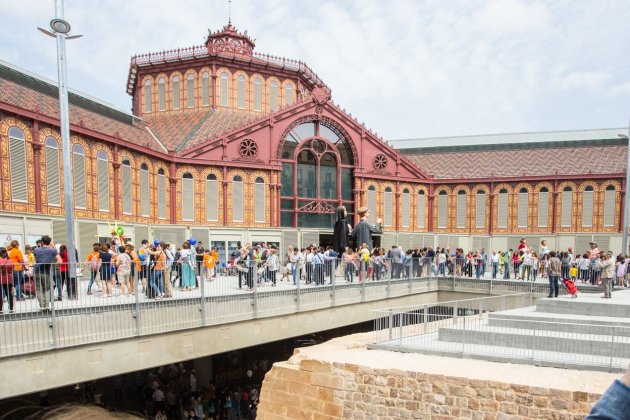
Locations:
(54, 310)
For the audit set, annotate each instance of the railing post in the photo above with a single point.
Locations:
(333, 280)
(388, 287)
(202, 298)
(464, 336)
(391, 322)
(298, 280)
(533, 343)
(253, 273)
(612, 347)
(363, 290)
(400, 331)
(53, 321)
(491, 285)
(138, 289)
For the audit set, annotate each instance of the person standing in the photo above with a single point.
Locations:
(341, 231)
(607, 268)
(362, 232)
(45, 257)
(15, 255)
(6, 280)
(555, 269)
(494, 260)
(272, 264)
(187, 262)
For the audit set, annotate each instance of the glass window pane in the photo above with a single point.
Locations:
(328, 134)
(273, 96)
(240, 92)
(287, 179)
(315, 220)
(288, 91)
(346, 184)
(205, 88)
(305, 130)
(190, 92)
(328, 181)
(286, 219)
(257, 95)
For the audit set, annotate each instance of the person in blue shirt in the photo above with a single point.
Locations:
(45, 257)
(614, 404)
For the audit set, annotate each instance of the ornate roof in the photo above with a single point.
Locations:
(229, 40)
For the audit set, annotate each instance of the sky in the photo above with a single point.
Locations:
(407, 68)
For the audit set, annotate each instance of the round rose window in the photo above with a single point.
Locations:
(248, 148)
(379, 162)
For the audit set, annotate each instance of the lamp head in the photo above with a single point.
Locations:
(60, 26)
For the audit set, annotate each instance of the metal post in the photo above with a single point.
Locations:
(298, 280)
(253, 272)
(612, 347)
(65, 141)
(202, 299)
(400, 326)
(53, 322)
(624, 242)
(391, 321)
(389, 285)
(333, 281)
(138, 289)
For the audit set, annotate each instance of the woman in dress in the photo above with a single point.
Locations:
(106, 270)
(187, 281)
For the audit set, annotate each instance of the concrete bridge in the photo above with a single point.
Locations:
(82, 342)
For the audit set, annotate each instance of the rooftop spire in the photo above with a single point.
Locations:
(229, 12)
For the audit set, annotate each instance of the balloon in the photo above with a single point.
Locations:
(156, 242)
(120, 231)
(192, 241)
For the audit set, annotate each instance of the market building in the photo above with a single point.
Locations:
(230, 145)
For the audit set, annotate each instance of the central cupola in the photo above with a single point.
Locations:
(229, 41)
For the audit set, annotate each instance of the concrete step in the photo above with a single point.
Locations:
(542, 321)
(617, 307)
(479, 333)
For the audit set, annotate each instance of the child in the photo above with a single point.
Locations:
(208, 264)
(620, 270)
(573, 272)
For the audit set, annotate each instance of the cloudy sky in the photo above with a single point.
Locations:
(407, 68)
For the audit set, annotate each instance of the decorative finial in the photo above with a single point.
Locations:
(229, 12)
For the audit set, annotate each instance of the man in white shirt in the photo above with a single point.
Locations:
(494, 260)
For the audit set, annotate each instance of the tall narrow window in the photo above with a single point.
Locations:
(388, 207)
(78, 176)
(421, 215)
(176, 88)
(102, 180)
(523, 205)
(405, 210)
(145, 205)
(567, 207)
(543, 207)
(161, 94)
(53, 185)
(161, 194)
(461, 209)
(148, 99)
(257, 94)
(259, 200)
(240, 92)
(502, 209)
(212, 198)
(288, 94)
(371, 203)
(224, 83)
(188, 197)
(588, 197)
(273, 96)
(237, 199)
(126, 187)
(480, 209)
(205, 89)
(442, 221)
(17, 163)
(190, 91)
(610, 202)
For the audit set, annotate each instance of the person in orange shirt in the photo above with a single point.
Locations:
(215, 258)
(94, 264)
(16, 256)
(157, 275)
(208, 264)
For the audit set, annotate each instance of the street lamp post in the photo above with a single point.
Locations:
(60, 29)
(624, 241)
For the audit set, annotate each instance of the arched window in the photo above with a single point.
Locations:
(205, 89)
(148, 99)
(388, 207)
(188, 197)
(237, 199)
(212, 198)
(317, 164)
(259, 200)
(480, 209)
(543, 207)
(190, 91)
(523, 205)
(127, 206)
(161, 94)
(610, 203)
(78, 176)
(161, 193)
(53, 184)
(224, 84)
(461, 210)
(371, 203)
(176, 90)
(257, 94)
(442, 216)
(17, 163)
(102, 180)
(240, 92)
(567, 207)
(588, 198)
(288, 94)
(145, 205)
(405, 208)
(273, 96)
(421, 213)
(502, 208)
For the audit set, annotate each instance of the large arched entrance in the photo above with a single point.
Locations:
(317, 165)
